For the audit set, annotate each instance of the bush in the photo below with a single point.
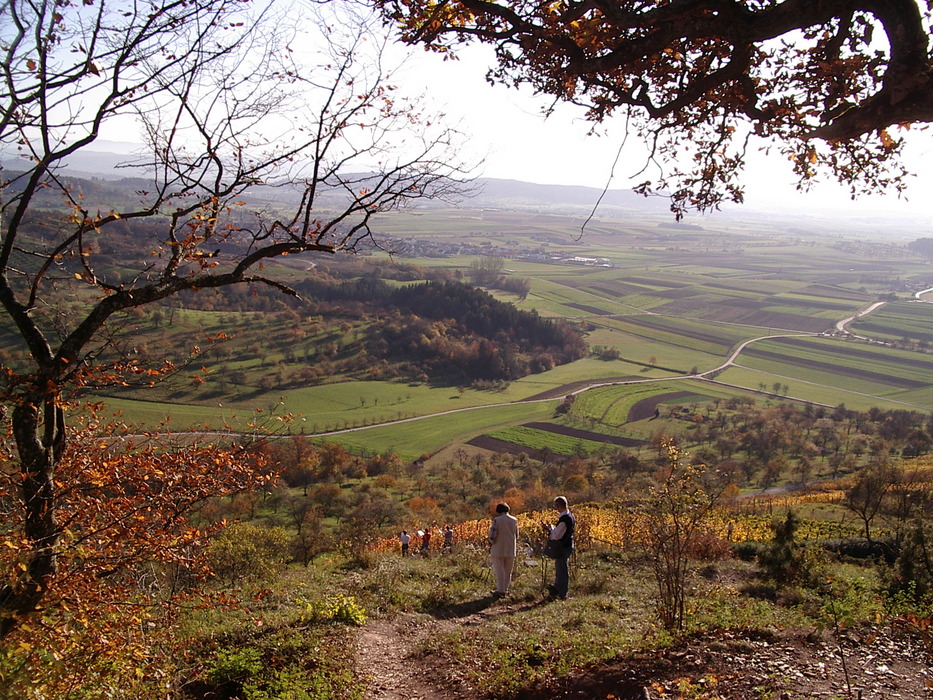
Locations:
(859, 548)
(913, 570)
(786, 561)
(747, 551)
(235, 665)
(244, 551)
(340, 608)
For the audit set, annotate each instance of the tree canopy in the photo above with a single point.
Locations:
(831, 84)
(237, 105)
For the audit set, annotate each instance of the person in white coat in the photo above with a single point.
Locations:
(503, 544)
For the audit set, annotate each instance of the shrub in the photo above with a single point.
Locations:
(235, 665)
(244, 551)
(913, 570)
(341, 608)
(747, 551)
(786, 561)
(859, 548)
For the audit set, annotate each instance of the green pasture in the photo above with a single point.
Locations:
(551, 298)
(544, 440)
(802, 300)
(178, 416)
(716, 339)
(788, 374)
(588, 369)
(898, 320)
(323, 407)
(863, 368)
(808, 311)
(350, 404)
(415, 438)
(672, 349)
(611, 404)
(816, 392)
(642, 350)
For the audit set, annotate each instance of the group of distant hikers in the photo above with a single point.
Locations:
(503, 546)
(424, 537)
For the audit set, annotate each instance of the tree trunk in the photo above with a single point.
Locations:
(39, 436)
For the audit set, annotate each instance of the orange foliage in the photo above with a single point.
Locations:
(128, 548)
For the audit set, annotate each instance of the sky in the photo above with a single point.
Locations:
(507, 127)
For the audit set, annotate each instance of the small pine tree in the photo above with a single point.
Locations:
(785, 559)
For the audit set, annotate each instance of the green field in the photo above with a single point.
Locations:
(425, 436)
(674, 302)
(543, 440)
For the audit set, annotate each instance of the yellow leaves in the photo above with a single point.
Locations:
(886, 140)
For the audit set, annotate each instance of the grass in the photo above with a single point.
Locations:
(544, 440)
(820, 392)
(412, 439)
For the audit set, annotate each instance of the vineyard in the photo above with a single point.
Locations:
(625, 527)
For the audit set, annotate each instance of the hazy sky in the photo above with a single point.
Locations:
(507, 126)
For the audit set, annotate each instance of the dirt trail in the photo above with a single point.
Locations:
(382, 657)
(387, 653)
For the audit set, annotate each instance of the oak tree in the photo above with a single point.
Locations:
(831, 84)
(238, 105)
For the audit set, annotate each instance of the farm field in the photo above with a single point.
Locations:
(902, 320)
(670, 302)
(868, 370)
(415, 438)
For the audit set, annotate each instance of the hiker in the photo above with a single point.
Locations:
(448, 538)
(503, 544)
(426, 541)
(405, 539)
(561, 532)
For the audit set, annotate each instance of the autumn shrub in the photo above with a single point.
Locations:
(677, 516)
(248, 552)
(339, 608)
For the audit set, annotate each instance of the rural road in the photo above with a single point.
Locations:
(841, 325)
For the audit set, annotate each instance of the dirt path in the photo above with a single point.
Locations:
(383, 658)
(387, 653)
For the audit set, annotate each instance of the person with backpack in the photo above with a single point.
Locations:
(562, 533)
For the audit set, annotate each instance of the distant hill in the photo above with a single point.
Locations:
(511, 194)
(111, 163)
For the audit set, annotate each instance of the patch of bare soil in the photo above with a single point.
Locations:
(877, 664)
(882, 664)
(384, 658)
(389, 656)
(646, 407)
